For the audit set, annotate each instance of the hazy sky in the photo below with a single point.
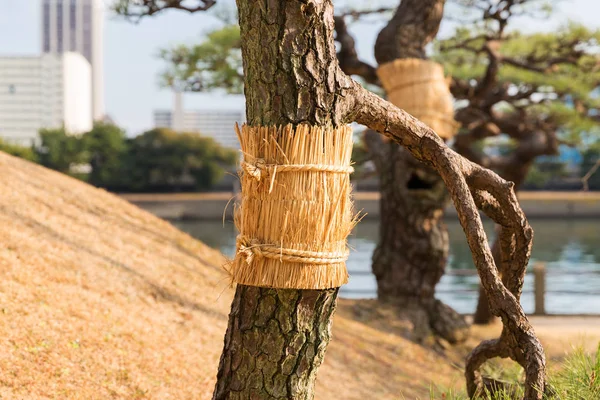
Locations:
(131, 66)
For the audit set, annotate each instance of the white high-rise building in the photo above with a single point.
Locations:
(47, 91)
(217, 124)
(77, 26)
(214, 123)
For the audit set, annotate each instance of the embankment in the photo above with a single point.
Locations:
(216, 205)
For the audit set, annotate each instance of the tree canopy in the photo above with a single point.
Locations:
(537, 90)
(215, 63)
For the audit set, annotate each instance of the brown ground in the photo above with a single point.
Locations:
(99, 299)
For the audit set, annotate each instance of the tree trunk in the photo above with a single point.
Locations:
(413, 247)
(275, 342)
(276, 338)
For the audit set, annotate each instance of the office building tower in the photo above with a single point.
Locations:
(48, 91)
(214, 123)
(77, 26)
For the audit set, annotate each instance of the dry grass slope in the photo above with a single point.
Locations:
(100, 300)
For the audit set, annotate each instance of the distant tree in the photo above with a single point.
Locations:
(165, 160)
(60, 151)
(534, 92)
(27, 153)
(106, 147)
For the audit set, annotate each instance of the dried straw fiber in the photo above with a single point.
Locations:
(419, 87)
(296, 210)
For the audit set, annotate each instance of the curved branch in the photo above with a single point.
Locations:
(347, 56)
(470, 186)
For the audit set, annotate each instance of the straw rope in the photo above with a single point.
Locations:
(295, 211)
(257, 168)
(420, 88)
(251, 248)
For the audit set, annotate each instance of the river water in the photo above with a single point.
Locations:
(569, 248)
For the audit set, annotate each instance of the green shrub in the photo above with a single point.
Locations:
(27, 153)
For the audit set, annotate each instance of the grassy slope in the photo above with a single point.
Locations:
(99, 299)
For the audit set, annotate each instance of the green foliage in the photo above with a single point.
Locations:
(164, 160)
(537, 177)
(27, 153)
(60, 151)
(157, 160)
(577, 378)
(216, 63)
(561, 68)
(106, 147)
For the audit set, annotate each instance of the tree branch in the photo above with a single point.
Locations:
(356, 14)
(470, 186)
(347, 56)
(141, 8)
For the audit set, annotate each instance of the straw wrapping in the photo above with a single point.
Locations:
(296, 211)
(419, 87)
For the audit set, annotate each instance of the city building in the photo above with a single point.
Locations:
(46, 91)
(216, 123)
(77, 26)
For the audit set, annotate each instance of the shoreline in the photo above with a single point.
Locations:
(216, 206)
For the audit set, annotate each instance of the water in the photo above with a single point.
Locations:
(570, 249)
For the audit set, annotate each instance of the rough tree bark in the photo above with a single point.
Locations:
(292, 76)
(412, 252)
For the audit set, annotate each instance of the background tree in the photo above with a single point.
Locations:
(165, 160)
(61, 151)
(216, 63)
(27, 153)
(541, 84)
(407, 278)
(533, 92)
(106, 146)
(291, 75)
(412, 252)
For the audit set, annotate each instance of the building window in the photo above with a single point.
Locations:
(12, 89)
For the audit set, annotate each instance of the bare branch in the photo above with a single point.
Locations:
(347, 56)
(356, 14)
(137, 9)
